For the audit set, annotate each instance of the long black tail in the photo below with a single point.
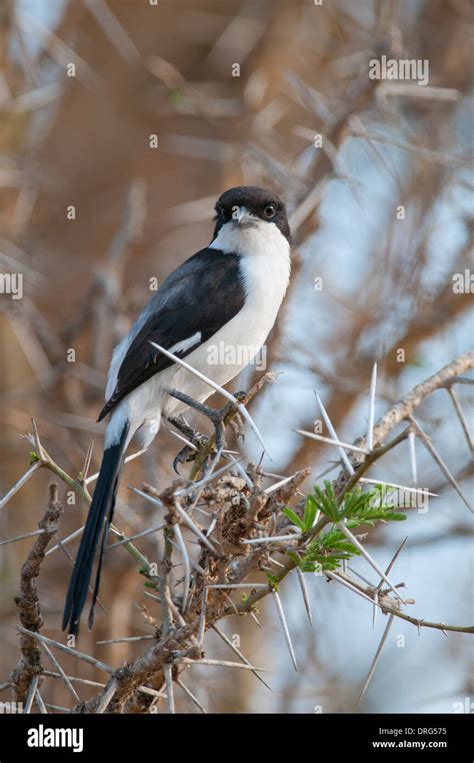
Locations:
(98, 522)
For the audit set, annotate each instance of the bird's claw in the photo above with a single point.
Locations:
(188, 454)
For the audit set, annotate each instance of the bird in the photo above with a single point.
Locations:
(226, 295)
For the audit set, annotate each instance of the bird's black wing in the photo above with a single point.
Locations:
(202, 295)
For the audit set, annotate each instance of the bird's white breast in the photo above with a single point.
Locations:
(265, 267)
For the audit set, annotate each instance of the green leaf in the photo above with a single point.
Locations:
(326, 500)
(294, 518)
(328, 549)
(310, 511)
(385, 515)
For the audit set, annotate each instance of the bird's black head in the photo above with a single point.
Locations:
(247, 205)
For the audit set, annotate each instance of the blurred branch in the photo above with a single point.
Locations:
(105, 288)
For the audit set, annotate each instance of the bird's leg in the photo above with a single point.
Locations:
(210, 413)
(188, 453)
(216, 417)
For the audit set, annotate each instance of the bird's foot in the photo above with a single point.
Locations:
(217, 418)
(189, 452)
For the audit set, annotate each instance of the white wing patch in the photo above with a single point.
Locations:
(186, 344)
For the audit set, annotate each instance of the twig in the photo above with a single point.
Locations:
(183, 515)
(67, 649)
(106, 697)
(367, 556)
(28, 601)
(32, 534)
(19, 484)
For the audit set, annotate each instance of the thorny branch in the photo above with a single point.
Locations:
(247, 528)
(406, 406)
(28, 603)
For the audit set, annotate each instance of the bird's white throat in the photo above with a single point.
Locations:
(261, 238)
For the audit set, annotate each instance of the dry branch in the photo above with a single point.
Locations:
(247, 527)
(28, 602)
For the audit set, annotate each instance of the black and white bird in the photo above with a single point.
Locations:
(226, 295)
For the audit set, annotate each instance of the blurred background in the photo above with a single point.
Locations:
(120, 124)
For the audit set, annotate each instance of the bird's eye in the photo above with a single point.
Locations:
(269, 211)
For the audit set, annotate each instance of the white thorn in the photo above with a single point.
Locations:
(284, 625)
(370, 423)
(334, 436)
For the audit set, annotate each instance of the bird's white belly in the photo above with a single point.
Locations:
(237, 344)
(227, 353)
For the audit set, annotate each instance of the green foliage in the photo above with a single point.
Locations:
(328, 549)
(294, 518)
(33, 457)
(273, 581)
(310, 511)
(361, 507)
